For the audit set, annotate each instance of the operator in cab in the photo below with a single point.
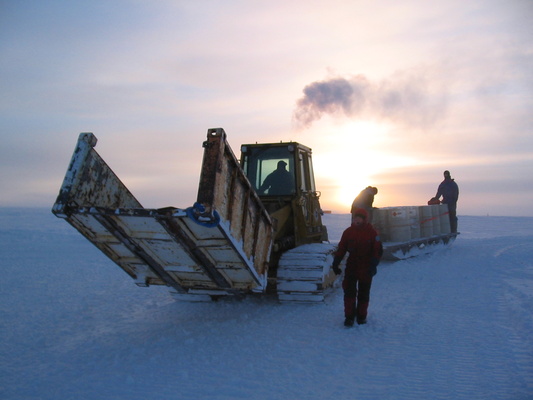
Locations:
(278, 183)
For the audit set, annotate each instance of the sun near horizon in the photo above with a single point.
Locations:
(352, 157)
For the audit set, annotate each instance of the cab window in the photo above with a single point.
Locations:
(270, 170)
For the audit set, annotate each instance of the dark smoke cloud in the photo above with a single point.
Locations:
(403, 99)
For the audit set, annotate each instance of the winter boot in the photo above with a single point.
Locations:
(348, 322)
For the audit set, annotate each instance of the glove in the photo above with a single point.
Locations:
(336, 269)
(373, 270)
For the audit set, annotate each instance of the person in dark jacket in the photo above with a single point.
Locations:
(449, 191)
(363, 244)
(365, 200)
(280, 182)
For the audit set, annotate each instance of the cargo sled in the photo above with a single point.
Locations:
(413, 230)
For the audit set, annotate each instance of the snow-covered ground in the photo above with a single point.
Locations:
(457, 324)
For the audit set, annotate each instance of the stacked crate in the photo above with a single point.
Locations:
(402, 224)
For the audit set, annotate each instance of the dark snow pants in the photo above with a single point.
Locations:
(356, 296)
(452, 213)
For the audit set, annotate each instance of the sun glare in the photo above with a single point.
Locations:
(349, 160)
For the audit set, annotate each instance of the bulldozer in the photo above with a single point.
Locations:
(256, 225)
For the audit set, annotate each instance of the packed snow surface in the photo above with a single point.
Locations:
(456, 324)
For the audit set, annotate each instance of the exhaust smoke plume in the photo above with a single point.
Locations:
(403, 99)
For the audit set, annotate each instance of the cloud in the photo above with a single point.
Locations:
(405, 98)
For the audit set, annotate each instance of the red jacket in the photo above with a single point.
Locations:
(364, 248)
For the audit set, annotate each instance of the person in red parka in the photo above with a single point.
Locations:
(364, 246)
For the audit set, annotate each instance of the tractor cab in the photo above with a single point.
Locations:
(282, 176)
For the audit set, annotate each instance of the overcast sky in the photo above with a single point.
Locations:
(386, 93)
